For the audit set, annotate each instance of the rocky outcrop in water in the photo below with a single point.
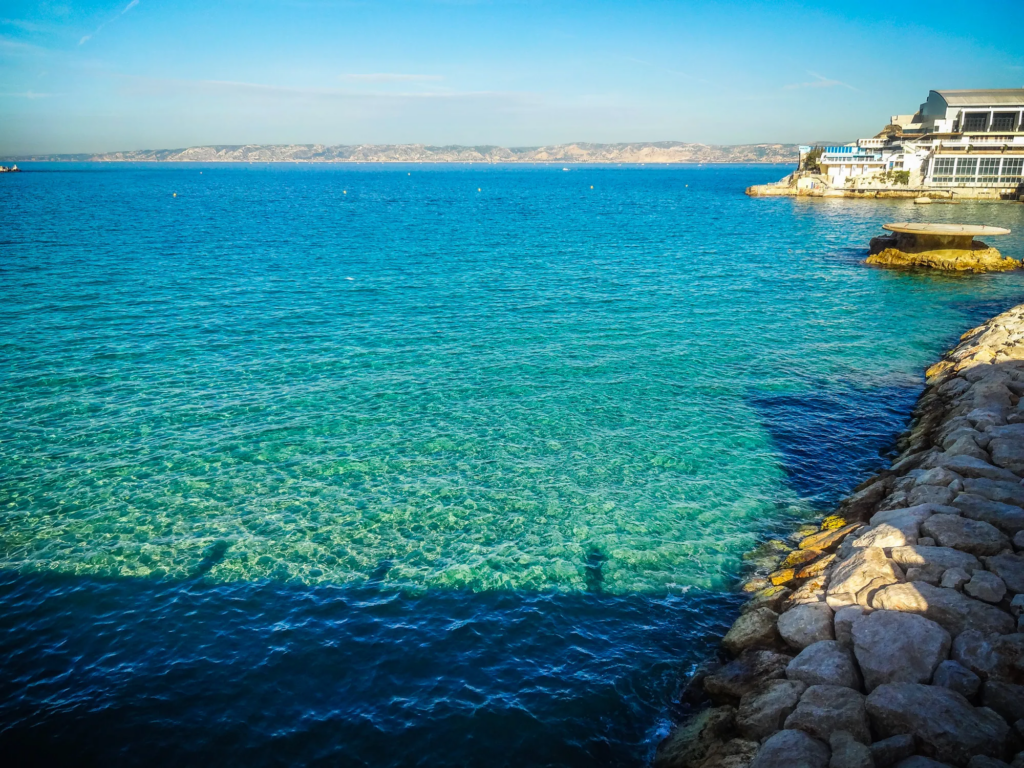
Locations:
(888, 251)
(907, 647)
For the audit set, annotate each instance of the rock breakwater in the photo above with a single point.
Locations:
(893, 635)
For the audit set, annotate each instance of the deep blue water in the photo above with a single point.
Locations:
(419, 465)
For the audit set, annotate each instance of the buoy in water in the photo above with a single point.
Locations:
(175, 194)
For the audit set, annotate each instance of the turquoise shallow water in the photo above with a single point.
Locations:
(386, 465)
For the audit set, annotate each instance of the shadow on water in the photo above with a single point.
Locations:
(136, 672)
(832, 438)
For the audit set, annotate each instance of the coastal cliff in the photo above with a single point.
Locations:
(639, 152)
(893, 635)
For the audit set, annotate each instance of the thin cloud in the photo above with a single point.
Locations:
(820, 81)
(388, 77)
(87, 38)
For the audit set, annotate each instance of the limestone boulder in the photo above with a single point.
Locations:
(940, 558)
(734, 753)
(1009, 568)
(970, 467)
(895, 647)
(847, 752)
(824, 709)
(764, 711)
(1005, 491)
(920, 761)
(990, 656)
(688, 745)
(1008, 453)
(952, 610)
(888, 752)
(1007, 699)
(985, 585)
(1006, 517)
(828, 539)
(755, 629)
(954, 578)
(855, 580)
(825, 663)
(895, 534)
(791, 749)
(936, 476)
(944, 724)
(742, 675)
(955, 676)
(930, 494)
(806, 624)
(918, 512)
(843, 623)
(971, 536)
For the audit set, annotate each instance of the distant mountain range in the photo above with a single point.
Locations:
(641, 152)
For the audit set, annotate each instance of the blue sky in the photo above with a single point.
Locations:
(134, 74)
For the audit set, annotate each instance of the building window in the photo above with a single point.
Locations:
(1003, 121)
(943, 169)
(988, 169)
(1013, 168)
(966, 169)
(975, 122)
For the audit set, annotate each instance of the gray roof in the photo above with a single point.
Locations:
(984, 97)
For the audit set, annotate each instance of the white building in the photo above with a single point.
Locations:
(972, 138)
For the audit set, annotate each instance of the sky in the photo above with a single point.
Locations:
(100, 75)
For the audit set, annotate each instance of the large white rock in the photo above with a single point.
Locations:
(825, 663)
(1006, 517)
(970, 467)
(755, 629)
(764, 711)
(955, 676)
(899, 532)
(895, 647)
(791, 749)
(985, 585)
(805, 624)
(972, 536)
(948, 608)
(996, 490)
(855, 580)
(918, 512)
(824, 709)
(990, 656)
(942, 721)
(843, 623)
(941, 558)
(1010, 568)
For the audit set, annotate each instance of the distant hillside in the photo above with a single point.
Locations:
(642, 152)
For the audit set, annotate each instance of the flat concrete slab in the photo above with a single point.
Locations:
(955, 230)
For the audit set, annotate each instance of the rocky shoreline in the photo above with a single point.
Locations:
(893, 634)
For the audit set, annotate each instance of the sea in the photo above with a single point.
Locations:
(422, 465)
